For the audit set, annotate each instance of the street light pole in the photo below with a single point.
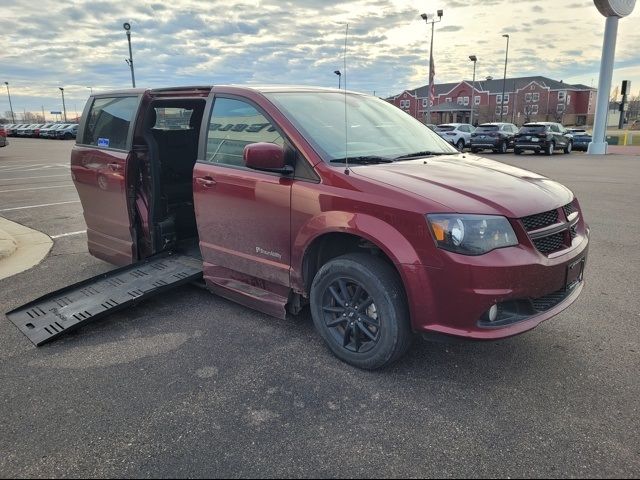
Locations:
(504, 80)
(339, 74)
(433, 21)
(127, 28)
(13, 118)
(64, 108)
(474, 59)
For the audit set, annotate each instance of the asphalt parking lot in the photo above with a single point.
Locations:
(192, 385)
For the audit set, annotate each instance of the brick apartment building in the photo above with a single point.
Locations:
(527, 99)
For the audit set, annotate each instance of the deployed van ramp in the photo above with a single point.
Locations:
(56, 313)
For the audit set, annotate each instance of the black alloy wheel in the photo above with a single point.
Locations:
(569, 147)
(359, 308)
(503, 147)
(460, 144)
(549, 149)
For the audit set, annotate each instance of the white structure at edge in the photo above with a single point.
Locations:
(613, 10)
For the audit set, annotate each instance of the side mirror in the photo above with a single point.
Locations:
(266, 157)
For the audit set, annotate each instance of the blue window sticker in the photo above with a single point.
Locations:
(103, 142)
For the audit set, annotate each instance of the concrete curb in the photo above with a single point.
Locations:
(8, 245)
(20, 248)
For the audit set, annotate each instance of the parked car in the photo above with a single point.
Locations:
(23, 130)
(457, 134)
(67, 133)
(13, 130)
(546, 137)
(3, 136)
(37, 131)
(496, 136)
(44, 131)
(52, 132)
(581, 138)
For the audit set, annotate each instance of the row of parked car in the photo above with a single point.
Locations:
(539, 137)
(62, 131)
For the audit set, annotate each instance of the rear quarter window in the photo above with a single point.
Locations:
(108, 122)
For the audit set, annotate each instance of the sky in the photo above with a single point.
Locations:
(77, 44)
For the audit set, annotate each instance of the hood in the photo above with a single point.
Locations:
(472, 184)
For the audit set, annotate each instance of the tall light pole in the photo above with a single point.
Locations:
(13, 118)
(337, 72)
(127, 28)
(474, 59)
(64, 108)
(430, 19)
(613, 10)
(504, 80)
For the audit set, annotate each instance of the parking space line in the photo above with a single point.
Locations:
(35, 188)
(39, 176)
(80, 232)
(37, 206)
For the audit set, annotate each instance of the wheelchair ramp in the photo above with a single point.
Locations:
(54, 314)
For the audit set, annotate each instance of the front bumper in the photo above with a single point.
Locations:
(530, 288)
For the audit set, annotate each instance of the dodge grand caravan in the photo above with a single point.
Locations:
(303, 196)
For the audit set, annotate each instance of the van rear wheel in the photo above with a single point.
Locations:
(358, 306)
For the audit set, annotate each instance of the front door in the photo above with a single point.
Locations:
(243, 215)
(99, 168)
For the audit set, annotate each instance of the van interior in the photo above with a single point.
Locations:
(164, 189)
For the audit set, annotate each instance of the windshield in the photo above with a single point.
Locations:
(445, 128)
(487, 128)
(375, 128)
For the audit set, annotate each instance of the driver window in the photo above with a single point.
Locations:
(233, 125)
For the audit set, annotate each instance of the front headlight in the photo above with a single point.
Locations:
(471, 234)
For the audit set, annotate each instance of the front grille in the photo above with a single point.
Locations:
(540, 220)
(549, 301)
(550, 244)
(569, 209)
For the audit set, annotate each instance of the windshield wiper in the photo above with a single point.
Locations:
(363, 160)
(422, 154)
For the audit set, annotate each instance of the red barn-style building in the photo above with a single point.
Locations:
(527, 99)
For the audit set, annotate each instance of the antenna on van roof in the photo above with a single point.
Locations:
(346, 125)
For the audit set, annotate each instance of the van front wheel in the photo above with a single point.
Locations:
(358, 306)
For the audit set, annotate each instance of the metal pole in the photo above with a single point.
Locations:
(598, 145)
(429, 87)
(133, 78)
(13, 118)
(473, 92)
(504, 80)
(64, 108)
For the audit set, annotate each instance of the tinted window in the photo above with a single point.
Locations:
(555, 128)
(487, 128)
(172, 118)
(463, 128)
(233, 125)
(108, 122)
(445, 128)
(533, 129)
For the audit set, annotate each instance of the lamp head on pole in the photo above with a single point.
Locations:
(506, 35)
(6, 83)
(61, 89)
(473, 58)
(440, 13)
(337, 72)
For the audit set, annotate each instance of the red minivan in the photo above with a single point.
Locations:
(332, 199)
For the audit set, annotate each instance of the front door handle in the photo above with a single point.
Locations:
(206, 182)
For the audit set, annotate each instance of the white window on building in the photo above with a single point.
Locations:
(536, 97)
(405, 103)
(506, 98)
(534, 109)
(425, 102)
(460, 100)
(560, 108)
(498, 99)
(505, 110)
(568, 99)
(476, 99)
(561, 96)
(527, 97)
(448, 100)
(466, 101)
(498, 110)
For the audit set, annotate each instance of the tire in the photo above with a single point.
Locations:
(568, 148)
(460, 144)
(549, 149)
(517, 151)
(67, 136)
(503, 148)
(380, 320)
